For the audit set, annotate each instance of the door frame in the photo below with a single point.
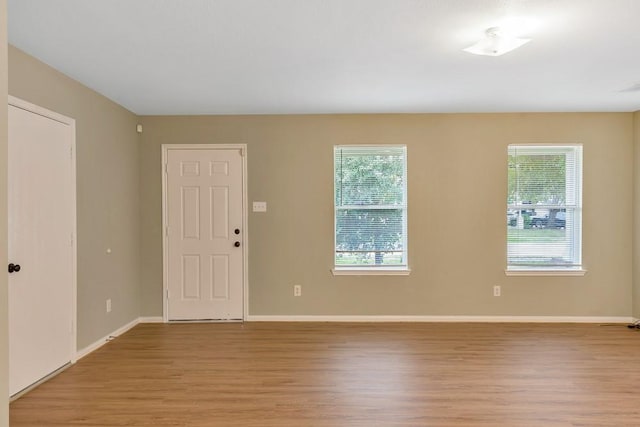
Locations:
(245, 223)
(41, 111)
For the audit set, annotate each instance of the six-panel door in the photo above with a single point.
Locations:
(204, 236)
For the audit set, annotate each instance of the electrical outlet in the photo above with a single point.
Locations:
(497, 291)
(297, 290)
(109, 305)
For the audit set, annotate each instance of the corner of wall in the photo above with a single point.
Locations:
(636, 216)
(140, 222)
(4, 329)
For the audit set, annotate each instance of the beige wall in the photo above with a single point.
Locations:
(457, 195)
(636, 218)
(457, 192)
(4, 342)
(107, 193)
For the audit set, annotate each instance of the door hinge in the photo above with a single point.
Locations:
(167, 293)
(166, 168)
(71, 152)
(242, 152)
(166, 231)
(71, 239)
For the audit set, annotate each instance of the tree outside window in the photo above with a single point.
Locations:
(370, 206)
(544, 206)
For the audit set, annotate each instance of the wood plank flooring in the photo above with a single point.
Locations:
(339, 374)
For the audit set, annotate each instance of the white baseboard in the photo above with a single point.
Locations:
(102, 341)
(154, 319)
(475, 319)
(312, 318)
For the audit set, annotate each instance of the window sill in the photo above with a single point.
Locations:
(360, 271)
(545, 272)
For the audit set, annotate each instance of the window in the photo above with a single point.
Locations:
(370, 207)
(544, 207)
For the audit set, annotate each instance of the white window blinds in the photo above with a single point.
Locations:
(544, 207)
(370, 206)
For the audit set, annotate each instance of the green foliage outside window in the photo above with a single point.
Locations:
(370, 205)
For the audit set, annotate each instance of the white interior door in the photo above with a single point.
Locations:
(204, 235)
(41, 225)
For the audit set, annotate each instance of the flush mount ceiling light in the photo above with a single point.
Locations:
(496, 43)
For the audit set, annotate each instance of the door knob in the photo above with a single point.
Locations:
(236, 244)
(14, 267)
(237, 231)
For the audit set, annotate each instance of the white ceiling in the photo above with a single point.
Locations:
(338, 56)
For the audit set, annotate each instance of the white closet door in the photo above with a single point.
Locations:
(41, 215)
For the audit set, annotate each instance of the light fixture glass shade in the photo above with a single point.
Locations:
(495, 43)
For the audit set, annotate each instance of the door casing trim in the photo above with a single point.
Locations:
(245, 222)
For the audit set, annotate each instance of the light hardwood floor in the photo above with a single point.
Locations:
(332, 374)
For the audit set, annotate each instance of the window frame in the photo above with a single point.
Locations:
(577, 269)
(339, 270)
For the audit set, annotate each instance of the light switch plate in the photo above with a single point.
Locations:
(259, 206)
